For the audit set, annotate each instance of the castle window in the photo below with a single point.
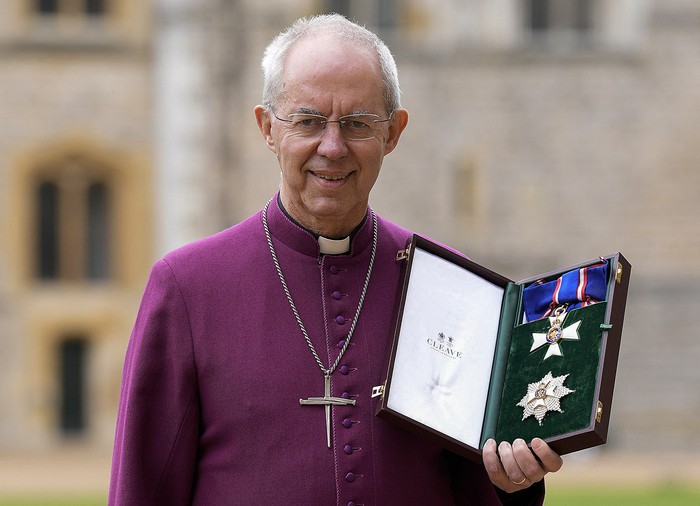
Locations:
(70, 7)
(47, 7)
(72, 358)
(555, 22)
(465, 192)
(386, 13)
(97, 231)
(380, 14)
(95, 7)
(339, 7)
(73, 212)
(47, 240)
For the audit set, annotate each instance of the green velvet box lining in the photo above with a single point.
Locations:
(515, 367)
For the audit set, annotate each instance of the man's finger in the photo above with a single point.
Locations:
(551, 461)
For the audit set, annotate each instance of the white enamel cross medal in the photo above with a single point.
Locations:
(556, 333)
(327, 401)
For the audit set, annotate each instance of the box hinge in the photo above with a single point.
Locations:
(618, 275)
(403, 254)
(599, 412)
(378, 391)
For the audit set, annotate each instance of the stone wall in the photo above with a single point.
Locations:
(527, 158)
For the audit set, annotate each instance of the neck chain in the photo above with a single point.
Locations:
(326, 371)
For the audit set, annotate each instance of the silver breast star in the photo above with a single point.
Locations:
(543, 396)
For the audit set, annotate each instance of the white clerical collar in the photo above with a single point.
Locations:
(333, 246)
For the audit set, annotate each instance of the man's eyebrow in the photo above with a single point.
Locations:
(316, 112)
(360, 112)
(308, 110)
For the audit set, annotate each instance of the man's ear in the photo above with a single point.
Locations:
(399, 120)
(262, 117)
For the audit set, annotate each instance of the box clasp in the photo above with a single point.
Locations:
(618, 275)
(402, 254)
(599, 412)
(378, 391)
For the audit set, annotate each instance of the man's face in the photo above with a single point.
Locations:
(326, 179)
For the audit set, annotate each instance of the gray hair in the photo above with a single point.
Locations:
(341, 28)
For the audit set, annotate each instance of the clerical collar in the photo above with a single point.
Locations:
(333, 246)
(326, 246)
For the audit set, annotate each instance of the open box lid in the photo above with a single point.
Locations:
(452, 337)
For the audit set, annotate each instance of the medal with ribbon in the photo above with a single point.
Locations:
(577, 288)
(556, 333)
(552, 299)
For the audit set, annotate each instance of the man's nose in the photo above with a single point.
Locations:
(332, 143)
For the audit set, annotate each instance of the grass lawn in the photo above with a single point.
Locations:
(607, 495)
(41, 500)
(660, 495)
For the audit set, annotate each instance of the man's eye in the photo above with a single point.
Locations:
(357, 124)
(308, 122)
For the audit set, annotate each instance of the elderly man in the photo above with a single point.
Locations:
(249, 372)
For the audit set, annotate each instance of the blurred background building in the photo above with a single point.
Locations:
(542, 133)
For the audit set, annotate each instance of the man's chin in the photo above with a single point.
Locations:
(329, 213)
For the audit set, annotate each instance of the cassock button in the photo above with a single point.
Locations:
(347, 449)
(347, 423)
(337, 295)
(334, 269)
(350, 477)
(344, 370)
(351, 503)
(341, 343)
(345, 395)
(340, 320)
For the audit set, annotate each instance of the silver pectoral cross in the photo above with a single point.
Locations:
(327, 401)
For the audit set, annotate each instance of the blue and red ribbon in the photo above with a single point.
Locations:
(577, 288)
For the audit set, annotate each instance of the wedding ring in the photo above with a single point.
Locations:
(520, 482)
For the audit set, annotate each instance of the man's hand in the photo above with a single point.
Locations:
(514, 467)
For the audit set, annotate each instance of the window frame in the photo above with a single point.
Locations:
(560, 24)
(82, 242)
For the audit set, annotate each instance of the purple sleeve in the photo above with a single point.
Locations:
(471, 485)
(157, 424)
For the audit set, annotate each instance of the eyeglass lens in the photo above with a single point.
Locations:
(354, 127)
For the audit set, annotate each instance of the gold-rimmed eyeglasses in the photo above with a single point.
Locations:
(354, 127)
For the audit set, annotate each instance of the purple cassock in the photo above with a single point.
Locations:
(216, 365)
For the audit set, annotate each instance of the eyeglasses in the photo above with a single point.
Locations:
(354, 127)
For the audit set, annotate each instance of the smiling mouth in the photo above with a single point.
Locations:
(326, 177)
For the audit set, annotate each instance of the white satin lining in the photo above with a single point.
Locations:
(446, 346)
